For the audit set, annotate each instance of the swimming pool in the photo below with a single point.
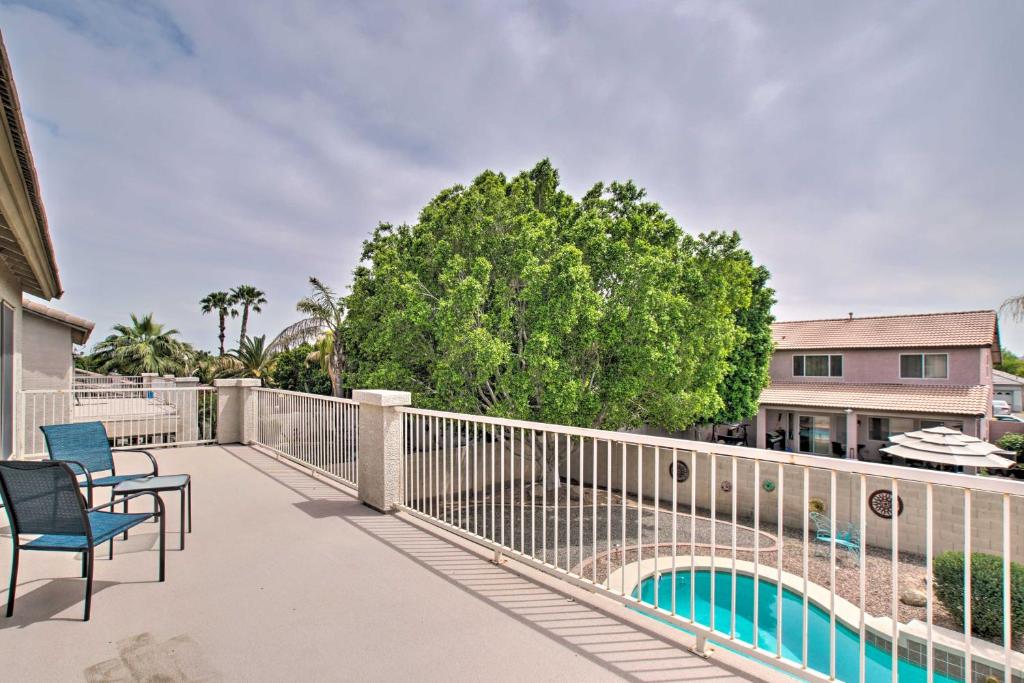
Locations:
(878, 661)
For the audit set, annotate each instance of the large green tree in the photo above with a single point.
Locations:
(747, 373)
(299, 369)
(143, 345)
(1011, 363)
(510, 297)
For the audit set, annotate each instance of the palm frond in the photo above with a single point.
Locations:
(305, 331)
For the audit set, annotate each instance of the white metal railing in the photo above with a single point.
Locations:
(320, 432)
(133, 417)
(717, 539)
(91, 380)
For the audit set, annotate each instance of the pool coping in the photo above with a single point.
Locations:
(845, 611)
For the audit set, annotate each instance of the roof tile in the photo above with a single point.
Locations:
(936, 400)
(943, 330)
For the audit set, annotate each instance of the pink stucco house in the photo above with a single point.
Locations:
(873, 377)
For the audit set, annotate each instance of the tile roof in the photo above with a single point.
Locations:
(913, 398)
(965, 328)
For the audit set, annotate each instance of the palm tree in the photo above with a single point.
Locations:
(325, 312)
(224, 305)
(250, 299)
(252, 358)
(142, 346)
(1014, 307)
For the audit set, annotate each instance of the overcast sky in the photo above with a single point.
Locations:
(870, 154)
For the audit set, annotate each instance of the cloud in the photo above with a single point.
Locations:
(869, 154)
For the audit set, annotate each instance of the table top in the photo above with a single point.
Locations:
(168, 482)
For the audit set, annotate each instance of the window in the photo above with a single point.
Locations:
(924, 365)
(882, 428)
(818, 366)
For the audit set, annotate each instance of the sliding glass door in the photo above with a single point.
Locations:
(816, 434)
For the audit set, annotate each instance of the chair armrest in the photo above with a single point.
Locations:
(88, 475)
(117, 501)
(152, 460)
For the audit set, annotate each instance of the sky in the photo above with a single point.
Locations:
(870, 154)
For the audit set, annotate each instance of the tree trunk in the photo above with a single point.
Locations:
(245, 324)
(336, 366)
(222, 333)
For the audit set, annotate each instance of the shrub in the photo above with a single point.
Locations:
(1012, 442)
(986, 592)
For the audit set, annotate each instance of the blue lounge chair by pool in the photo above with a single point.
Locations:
(45, 498)
(84, 445)
(847, 537)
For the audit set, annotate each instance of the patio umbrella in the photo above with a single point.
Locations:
(948, 447)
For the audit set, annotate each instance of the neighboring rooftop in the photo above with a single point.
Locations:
(924, 330)
(1000, 377)
(80, 327)
(927, 399)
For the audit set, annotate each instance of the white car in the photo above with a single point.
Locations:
(1008, 418)
(1000, 407)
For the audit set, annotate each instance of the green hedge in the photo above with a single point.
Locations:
(986, 592)
(1012, 442)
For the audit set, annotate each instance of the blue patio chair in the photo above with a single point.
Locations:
(85, 446)
(45, 498)
(846, 538)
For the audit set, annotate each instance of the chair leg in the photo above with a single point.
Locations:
(181, 528)
(111, 556)
(85, 567)
(124, 509)
(189, 487)
(14, 581)
(162, 546)
(88, 585)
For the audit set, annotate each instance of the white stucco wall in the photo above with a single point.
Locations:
(47, 361)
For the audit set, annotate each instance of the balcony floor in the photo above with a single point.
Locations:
(288, 578)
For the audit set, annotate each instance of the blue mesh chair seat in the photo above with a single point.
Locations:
(85, 446)
(105, 525)
(44, 499)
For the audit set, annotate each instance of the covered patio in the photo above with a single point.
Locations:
(289, 577)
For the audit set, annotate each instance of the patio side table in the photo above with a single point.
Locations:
(181, 483)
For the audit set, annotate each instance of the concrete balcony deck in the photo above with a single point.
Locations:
(287, 577)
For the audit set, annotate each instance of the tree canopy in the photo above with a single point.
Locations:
(294, 370)
(144, 345)
(512, 298)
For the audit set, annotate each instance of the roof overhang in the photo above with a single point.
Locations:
(25, 245)
(80, 327)
(897, 398)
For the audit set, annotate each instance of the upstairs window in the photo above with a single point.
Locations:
(924, 366)
(818, 366)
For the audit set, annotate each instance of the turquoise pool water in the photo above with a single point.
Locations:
(878, 662)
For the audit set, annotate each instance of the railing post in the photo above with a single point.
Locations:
(380, 446)
(236, 403)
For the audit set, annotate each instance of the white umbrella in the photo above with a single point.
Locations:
(948, 447)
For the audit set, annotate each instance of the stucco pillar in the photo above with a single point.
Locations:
(235, 409)
(147, 379)
(380, 446)
(852, 435)
(761, 428)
